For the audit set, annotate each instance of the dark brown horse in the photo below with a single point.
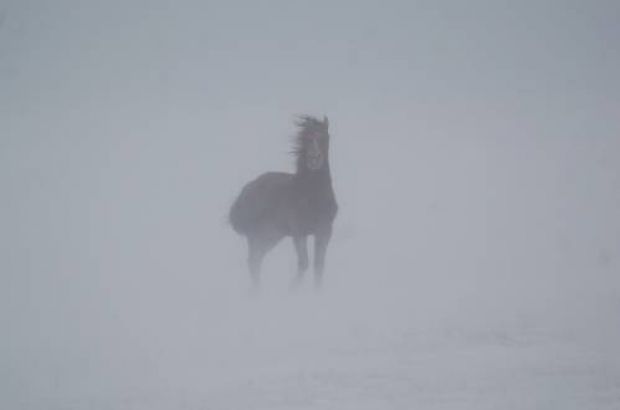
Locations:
(278, 204)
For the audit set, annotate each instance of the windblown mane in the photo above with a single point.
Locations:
(306, 124)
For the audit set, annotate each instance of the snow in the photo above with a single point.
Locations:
(474, 151)
(306, 350)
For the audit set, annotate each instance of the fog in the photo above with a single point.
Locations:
(474, 155)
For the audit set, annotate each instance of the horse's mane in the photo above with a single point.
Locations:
(305, 124)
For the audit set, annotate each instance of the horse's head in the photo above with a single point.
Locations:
(312, 143)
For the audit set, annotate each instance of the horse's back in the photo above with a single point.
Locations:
(256, 199)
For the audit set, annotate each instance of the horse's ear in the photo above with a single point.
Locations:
(326, 121)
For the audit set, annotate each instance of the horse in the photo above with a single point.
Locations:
(276, 205)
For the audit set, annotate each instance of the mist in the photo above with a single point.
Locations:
(474, 262)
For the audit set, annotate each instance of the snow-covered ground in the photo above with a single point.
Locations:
(450, 369)
(307, 350)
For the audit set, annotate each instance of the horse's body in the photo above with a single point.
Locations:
(277, 204)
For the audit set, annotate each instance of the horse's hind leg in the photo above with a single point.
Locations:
(258, 246)
(256, 255)
(321, 240)
(301, 248)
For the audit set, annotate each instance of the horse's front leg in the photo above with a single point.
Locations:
(321, 240)
(301, 248)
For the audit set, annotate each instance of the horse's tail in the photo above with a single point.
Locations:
(247, 208)
(239, 215)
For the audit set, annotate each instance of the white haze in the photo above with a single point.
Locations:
(474, 153)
